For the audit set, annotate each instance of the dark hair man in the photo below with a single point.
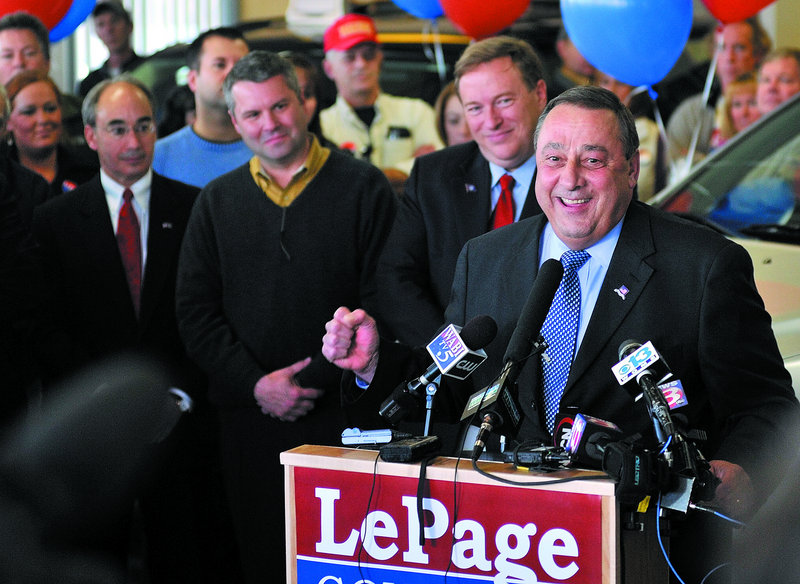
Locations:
(211, 140)
(114, 26)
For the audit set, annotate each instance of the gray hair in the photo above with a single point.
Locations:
(89, 107)
(259, 66)
(596, 98)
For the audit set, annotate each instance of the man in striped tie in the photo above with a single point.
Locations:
(688, 290)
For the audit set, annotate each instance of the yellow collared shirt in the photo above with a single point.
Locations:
(317, 156)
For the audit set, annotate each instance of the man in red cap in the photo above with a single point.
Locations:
(388, 131)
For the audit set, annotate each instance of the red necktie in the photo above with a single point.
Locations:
(504, 210)
(130, 247)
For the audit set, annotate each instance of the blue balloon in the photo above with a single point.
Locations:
(76, 14)
(421, 8)
(635, 41)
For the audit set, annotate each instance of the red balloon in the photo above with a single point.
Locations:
(50, 12)
(735, 10)
(483, 18)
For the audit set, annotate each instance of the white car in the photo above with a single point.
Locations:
(750, 190)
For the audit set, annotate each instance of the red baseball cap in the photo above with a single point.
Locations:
(348, 31)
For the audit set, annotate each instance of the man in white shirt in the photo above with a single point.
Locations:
(110, 267)
(388, 131)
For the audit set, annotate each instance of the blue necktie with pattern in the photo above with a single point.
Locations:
(560, 330)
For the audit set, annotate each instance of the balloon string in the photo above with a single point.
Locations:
(678, 172)
(431, 28)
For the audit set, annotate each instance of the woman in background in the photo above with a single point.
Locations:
(35, 130)
(737, 111)
(450, 121)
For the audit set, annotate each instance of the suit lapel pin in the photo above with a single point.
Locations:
(622, 291)
(166, 225)
(470, 188)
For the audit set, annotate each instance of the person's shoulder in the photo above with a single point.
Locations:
(448, 160)
(689, 107)
(174, 187)
(403, 101)
(457, 155)
(350, 169)
(512, 236)
(70, 202)
(179, 137)
(232, 179)
(679, 235)
(340, 161)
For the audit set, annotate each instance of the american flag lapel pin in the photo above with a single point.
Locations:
(470, 188)
(622, 291)
(166, 225)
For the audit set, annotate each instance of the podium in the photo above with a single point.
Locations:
(353, 518)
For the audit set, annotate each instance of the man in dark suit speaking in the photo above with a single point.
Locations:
(452, 195)
(645, 275)
(109, 253)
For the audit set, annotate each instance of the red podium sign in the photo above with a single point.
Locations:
(353, 520)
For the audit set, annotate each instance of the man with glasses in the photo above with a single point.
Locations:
(388, 131)
(109, 252)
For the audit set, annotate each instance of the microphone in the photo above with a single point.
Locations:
(638, 361)
(533, 314)
(455, 355)
(589, 438)
(498, 400)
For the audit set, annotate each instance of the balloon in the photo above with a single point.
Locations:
(735, 10)
(636, 41)
(483, 18)
(76, 14)
(50, 12)
(421, 8)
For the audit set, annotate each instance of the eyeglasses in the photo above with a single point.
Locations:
(139, 128)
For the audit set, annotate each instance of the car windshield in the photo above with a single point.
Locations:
(750, 187)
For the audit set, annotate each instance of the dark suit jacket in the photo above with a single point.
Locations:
(87, 294)
(691, 292)
(18, 287)
(447, 202)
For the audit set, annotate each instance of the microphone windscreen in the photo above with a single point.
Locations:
(535, 310)
(479, 331)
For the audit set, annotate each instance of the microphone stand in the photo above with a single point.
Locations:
(430, 393)
(507, 378)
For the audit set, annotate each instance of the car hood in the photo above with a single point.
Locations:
(777, 274)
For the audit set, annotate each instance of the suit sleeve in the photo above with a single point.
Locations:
(407, 306)
(742, 369)
(208, 336)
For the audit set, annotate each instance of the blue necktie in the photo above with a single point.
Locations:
(560, 330)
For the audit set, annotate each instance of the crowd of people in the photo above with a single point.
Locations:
(260, 247)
